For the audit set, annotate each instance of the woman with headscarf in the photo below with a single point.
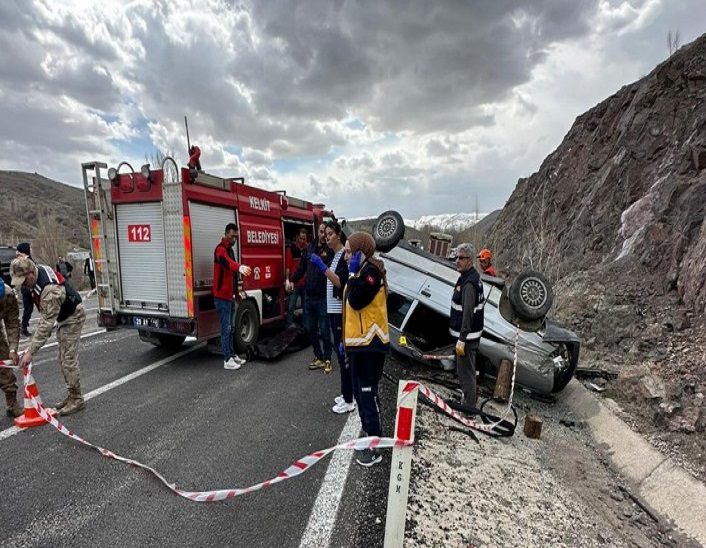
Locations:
(366, 333)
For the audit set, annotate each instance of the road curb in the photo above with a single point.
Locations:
(666, 487)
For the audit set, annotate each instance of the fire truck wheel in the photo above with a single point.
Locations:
(247, 326)
(388, 230)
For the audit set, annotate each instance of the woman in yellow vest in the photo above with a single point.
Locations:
(365, 333)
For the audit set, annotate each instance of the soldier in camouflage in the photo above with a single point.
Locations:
(57, 302)
(9, 339)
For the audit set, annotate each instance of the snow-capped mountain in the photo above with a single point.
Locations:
(445, 221)
(439, 223)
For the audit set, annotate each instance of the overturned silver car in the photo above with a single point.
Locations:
(418, 304)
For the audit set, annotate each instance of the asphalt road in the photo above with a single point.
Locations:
(200, 426)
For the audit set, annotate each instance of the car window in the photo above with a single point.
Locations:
(397, 308)
(493, 294)
(427, 329)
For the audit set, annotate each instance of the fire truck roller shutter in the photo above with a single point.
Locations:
(143, 268)
(208, 224)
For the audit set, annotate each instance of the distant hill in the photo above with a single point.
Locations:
(49, 214)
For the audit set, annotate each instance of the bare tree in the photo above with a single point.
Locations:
(540, 252)
(673, 42)
(157, 157)
(50, 240)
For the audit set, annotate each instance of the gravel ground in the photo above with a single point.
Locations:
(556, 491)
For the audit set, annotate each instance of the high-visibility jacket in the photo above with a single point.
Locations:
(365, 325)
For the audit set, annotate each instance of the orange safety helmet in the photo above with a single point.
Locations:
(485, 254)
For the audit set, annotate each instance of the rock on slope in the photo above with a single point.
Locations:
(615, 217)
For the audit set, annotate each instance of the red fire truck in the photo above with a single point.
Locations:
(154, 232)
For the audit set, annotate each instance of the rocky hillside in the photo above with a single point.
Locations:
(626, 189)
(49, 214)
(615, 217)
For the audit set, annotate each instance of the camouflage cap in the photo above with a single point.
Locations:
(19, 268)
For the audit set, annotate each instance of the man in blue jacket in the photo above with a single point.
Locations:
(315, 313)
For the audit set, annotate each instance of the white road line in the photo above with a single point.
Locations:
(323, 514)
(127, 378)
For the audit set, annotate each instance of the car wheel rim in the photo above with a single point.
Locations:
(533, 293)
(387, 227)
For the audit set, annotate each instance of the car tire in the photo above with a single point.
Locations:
(531, 295)
(388, 230)
(247, 326)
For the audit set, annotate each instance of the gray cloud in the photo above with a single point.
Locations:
(430, 84)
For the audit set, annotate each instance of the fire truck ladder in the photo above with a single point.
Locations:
(98, 210)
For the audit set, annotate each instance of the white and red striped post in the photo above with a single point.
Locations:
(401, 467)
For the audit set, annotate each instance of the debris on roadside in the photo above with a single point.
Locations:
(533, 426)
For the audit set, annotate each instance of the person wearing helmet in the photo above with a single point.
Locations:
(485, 257)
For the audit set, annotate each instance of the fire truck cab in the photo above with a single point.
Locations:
(154, 233)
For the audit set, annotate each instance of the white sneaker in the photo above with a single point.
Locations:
(343, 407)
(237, 359)
(338, 399)
(231, 364)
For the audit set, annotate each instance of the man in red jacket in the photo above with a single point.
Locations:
(484, 258)
(293, 255)
(225, 284)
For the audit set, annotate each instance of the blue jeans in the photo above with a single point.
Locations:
(317, 326)
(336, 321)
(226, 312)
(298, 293)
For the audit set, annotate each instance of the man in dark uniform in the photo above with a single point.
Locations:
(466, 321)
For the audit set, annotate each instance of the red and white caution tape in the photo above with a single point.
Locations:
(7, 364)
(298, 467)
(441, 404)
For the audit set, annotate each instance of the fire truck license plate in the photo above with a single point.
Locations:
(146, 322)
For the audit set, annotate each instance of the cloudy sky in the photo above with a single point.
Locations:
(426, 107)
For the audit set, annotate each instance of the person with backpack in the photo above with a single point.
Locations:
(59, 304)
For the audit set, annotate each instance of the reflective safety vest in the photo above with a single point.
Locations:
(367, 329)
(47, 276)
(456, 315)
